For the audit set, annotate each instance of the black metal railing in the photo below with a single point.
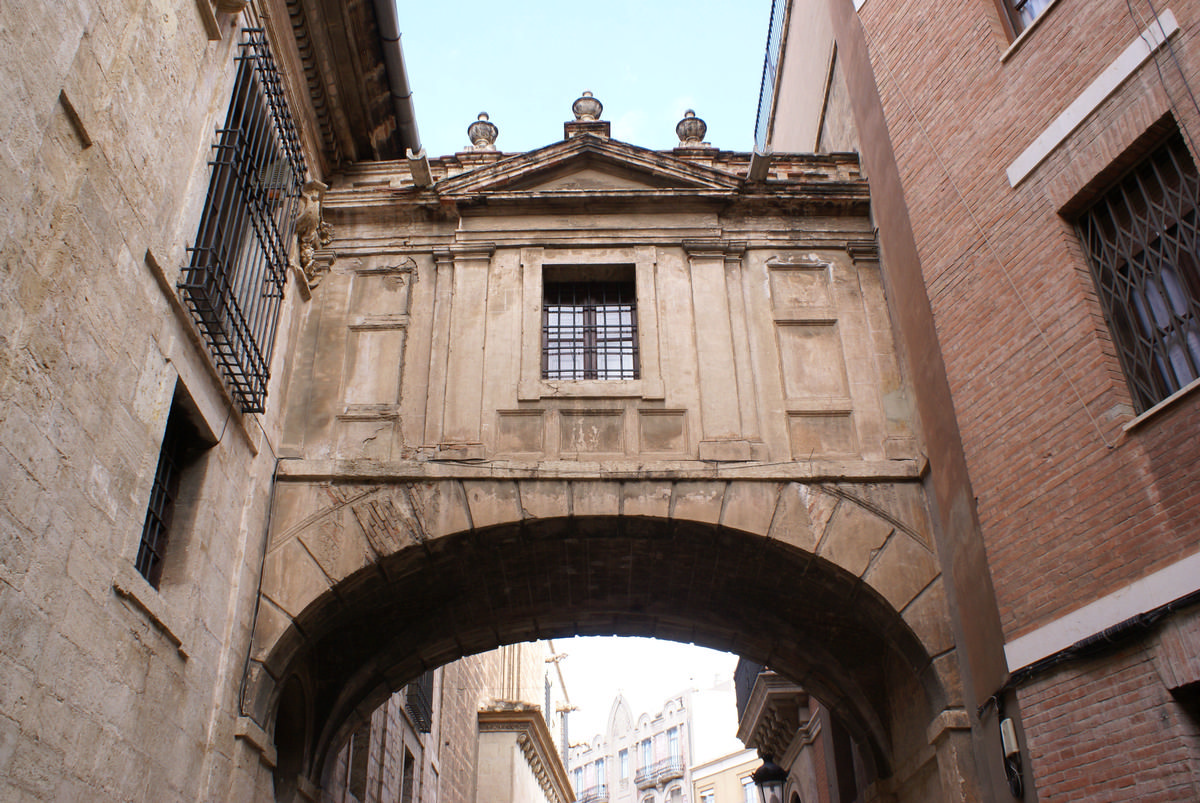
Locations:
(234, 281)
(418, 701)
(589, 330)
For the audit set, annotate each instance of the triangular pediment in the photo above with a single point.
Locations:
(588, 165)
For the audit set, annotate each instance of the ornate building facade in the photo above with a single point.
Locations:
(642, 760)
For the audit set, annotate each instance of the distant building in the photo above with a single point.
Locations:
(726, 779)
(489, 708)
(646, 760)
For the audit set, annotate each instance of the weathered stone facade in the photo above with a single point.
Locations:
(438, 490)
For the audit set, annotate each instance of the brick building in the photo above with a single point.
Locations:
(1033, 180)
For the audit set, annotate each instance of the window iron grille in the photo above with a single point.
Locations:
(235, 279)
(589, 331)
(1142, 241)
(418, 701)
(180, 445)
(1024, 12)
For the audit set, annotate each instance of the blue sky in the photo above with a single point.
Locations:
(525, 63)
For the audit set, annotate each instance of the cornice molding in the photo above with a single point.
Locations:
(537, 745)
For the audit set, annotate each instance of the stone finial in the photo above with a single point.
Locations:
(587, 108)
(483, 133)
(691, 130)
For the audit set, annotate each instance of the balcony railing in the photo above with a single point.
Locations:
(595, 794)
(668, 769)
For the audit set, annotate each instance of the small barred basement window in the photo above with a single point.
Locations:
(181, 448)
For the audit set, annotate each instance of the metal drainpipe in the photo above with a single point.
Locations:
(406, 120)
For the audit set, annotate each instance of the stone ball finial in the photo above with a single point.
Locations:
(691, 130)
(483, 133)
(587, 107)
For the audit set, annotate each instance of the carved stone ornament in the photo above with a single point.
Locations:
(312, 233)
(231, 6)
(691, 130)
(483, 133)
(587, 107)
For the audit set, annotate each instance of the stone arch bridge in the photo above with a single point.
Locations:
(372, 578)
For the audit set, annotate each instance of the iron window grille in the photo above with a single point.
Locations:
(235, 280)
(589, 330)
(1024, 12)
(1142, 241)
(418, 701)
(181, 445)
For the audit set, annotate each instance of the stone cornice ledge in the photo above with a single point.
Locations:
(536, 743)
(297, 469)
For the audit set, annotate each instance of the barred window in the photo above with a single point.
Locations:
(1024, 12)
(234, 282)
(589, 330)
(181, 446)
(1142, 241)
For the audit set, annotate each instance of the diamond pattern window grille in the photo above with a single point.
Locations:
(1142, 240)
(234, 282)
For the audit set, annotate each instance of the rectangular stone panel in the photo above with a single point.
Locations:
(800, 286)
(810, 355)
(520, 431)
(380, 292)
(373, 360)
(592, 431)
(822, 435)
(662, 431)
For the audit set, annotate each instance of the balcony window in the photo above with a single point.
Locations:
(235, 279)
(1142, 241)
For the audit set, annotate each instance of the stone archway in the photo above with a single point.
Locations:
(833, 584)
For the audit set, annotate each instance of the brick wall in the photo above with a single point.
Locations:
(1071, 507)
(1141, 746)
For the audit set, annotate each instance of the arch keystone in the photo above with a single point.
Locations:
(651, 499)
(595, 498)
(545, 499)
(698, 501)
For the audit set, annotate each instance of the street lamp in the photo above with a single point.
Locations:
(769, 778)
